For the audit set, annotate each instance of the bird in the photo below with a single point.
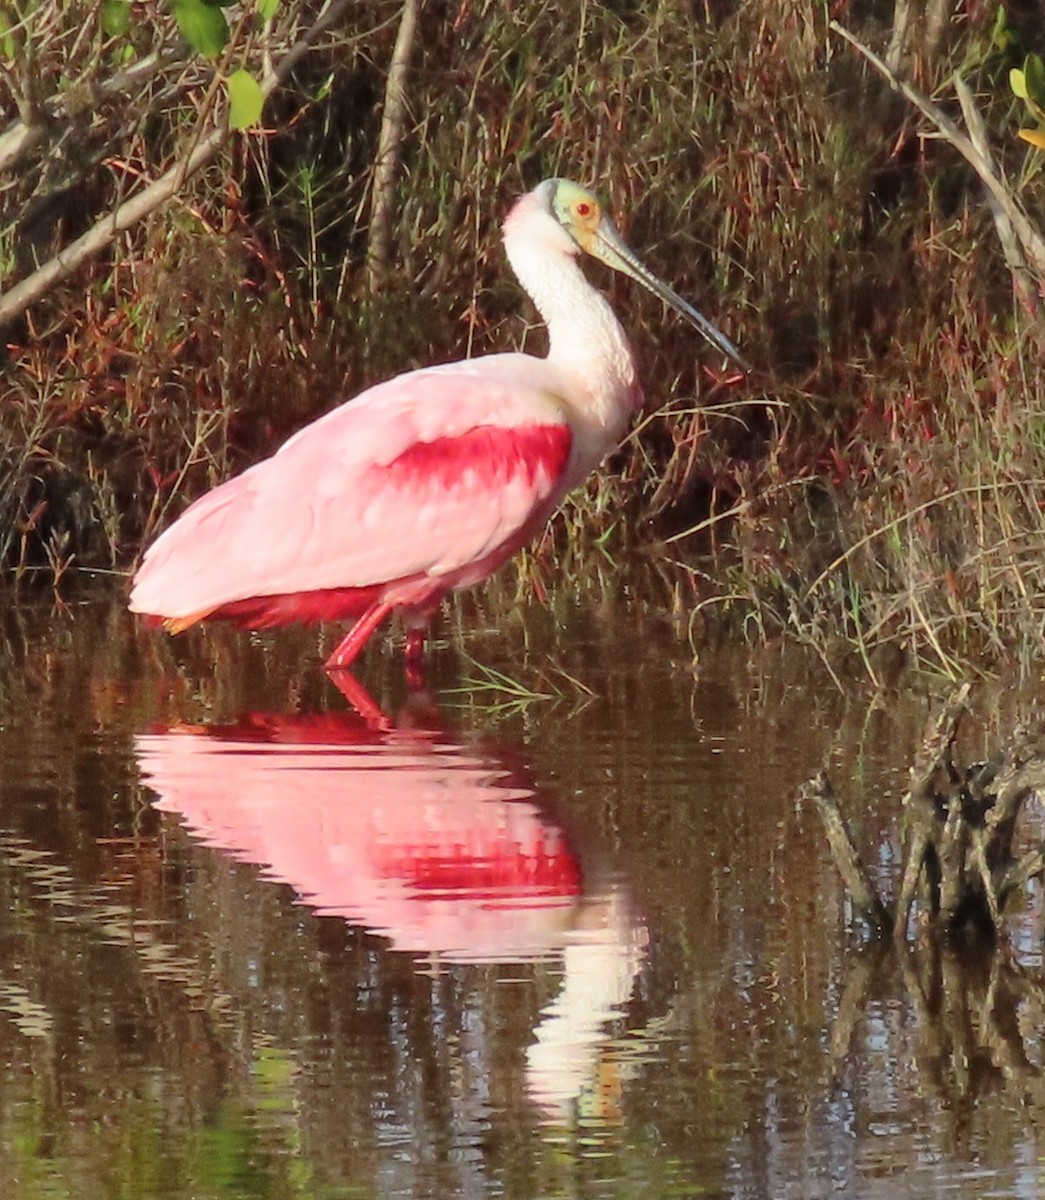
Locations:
(426, 483)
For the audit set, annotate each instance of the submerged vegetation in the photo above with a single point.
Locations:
(877, 482)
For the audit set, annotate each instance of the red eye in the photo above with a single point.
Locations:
(583, 208)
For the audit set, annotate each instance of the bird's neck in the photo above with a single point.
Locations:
(584, 336)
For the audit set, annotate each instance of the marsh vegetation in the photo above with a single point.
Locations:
(875, 483)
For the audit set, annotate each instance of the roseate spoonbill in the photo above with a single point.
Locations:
(427, 483)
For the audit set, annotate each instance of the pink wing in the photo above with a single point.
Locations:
(427, 475)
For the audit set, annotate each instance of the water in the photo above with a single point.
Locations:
(577, 939)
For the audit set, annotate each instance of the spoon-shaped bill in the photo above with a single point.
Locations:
(609, 247)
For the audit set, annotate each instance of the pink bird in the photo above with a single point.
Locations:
(427, 483)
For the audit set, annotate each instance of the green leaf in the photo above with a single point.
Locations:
(6, 40)
(1018, 83)
(1034, 76)
(325, 88)
(1001, 35)
(202, 26)
(246, 99)
(267, 9)
(116, 17)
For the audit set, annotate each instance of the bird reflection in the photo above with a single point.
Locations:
(440, 847)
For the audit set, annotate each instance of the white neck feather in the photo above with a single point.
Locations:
(585, 338)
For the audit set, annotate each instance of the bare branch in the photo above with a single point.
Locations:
(1011, 245)
(980, 851)
(22, 135)
(1030, 239)
(847, 859)
(1030, 866)
(919, 801)
(935, 754)
(917, 844)
(17, 140)
(17, 299)
(386, 165)
(25, 293)
(896, 52)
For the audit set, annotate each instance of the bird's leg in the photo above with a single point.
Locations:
(361, 700)
(417, 620)
(415, 658)
(415, 646)
(357, 637)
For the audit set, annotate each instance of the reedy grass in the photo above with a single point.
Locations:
(924, 528)
(500, 695)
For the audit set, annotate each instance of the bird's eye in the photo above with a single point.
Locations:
(583, 209)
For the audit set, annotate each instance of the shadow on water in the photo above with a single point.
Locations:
(586, 943)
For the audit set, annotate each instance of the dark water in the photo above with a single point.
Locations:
(575, 937)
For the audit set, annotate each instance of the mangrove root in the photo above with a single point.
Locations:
(958, 860)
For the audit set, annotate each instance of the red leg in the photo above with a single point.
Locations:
(357, 637)
(415, 646)
(360, 699)
(415, 659)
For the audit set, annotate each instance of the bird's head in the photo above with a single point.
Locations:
(580, 223)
